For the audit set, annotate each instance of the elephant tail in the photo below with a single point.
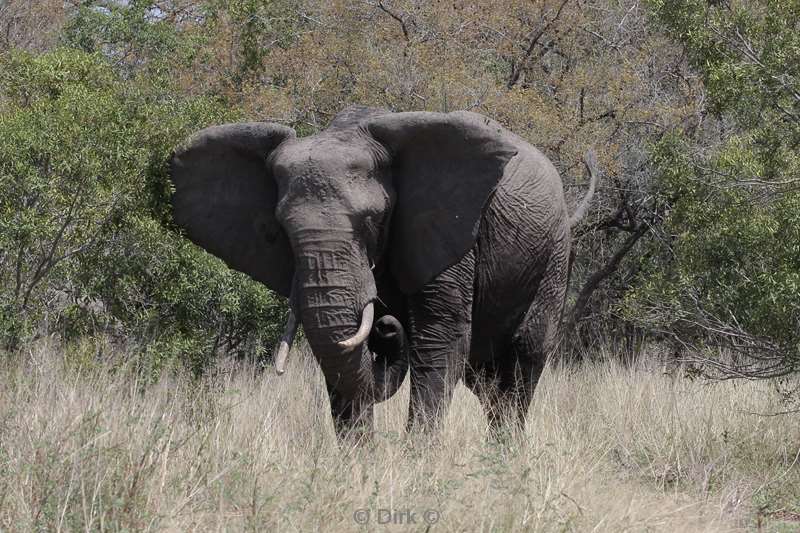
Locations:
(590, 160)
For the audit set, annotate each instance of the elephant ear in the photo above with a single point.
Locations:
(225, 198)
(445, 167)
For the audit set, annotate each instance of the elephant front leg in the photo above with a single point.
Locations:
(352, 417)
(440, 320)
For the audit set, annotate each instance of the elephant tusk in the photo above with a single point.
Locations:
(363, 330)
(282, 350)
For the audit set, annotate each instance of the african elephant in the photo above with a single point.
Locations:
(435, 242)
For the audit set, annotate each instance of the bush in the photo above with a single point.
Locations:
(728, 268)
(85, 225)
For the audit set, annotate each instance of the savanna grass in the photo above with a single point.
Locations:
(607, 448)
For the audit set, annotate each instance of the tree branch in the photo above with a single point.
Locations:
(598, 277)
(396, 17)
(516, 70)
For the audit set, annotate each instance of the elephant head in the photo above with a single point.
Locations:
(318, 219)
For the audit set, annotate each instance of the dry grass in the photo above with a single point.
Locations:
(607, 449)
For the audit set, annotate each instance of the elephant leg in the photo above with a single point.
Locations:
(352, 417)
(440, 318)
(506, 384)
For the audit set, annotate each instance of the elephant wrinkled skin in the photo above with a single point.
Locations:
(435, 243)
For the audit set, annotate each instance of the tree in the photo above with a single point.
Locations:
(84, 231)
(729, 269)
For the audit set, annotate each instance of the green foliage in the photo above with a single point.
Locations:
(131, 34)
(733, 223)
(84, 203)
(747, 52)
(261, 25)
(732, 253)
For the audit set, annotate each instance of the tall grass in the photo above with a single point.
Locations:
(607, 448)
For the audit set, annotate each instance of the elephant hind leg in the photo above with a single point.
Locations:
(506, 383)
(505, 386)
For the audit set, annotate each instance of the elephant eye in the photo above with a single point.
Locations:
(370, 226)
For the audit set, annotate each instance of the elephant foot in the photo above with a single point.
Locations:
(352, 419)
(505, 399)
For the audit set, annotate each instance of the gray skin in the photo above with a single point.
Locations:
(455, 228)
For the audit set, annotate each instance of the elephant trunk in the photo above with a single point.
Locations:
(389, 344)
(335, 294)
(370, 365)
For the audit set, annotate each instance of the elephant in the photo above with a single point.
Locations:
(422, 243)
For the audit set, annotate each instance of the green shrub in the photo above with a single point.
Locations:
(85, 228)
(727, 264)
